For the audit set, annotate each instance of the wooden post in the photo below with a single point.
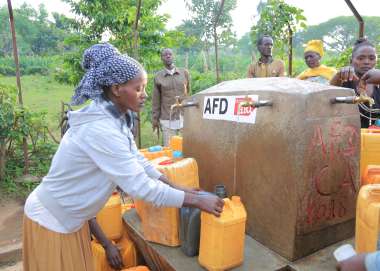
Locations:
(136, 56)
(358, 18)
(216, 41)
(18, 81)
(290, 67)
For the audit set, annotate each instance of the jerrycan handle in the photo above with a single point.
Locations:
(375, 193)
(227, 205)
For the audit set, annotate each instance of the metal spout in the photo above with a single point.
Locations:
(249, 103)
(177, 104)
(353, 100)
(180, 105)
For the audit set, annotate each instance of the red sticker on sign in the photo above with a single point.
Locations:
(240, 110)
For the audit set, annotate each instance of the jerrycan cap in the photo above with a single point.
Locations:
(155, 148)
(177, 154)
(220, 191)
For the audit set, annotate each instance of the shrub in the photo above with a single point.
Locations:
(15, 123)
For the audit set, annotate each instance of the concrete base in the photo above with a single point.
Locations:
(256, 256)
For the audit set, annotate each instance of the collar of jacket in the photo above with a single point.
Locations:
(168, 73)
(112, 110)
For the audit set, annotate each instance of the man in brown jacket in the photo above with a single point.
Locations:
(168, 83)
(266, 66)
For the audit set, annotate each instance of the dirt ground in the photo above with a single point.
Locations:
(11, 211)
(11, 214)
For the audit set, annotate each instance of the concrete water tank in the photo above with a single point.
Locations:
(294, 163)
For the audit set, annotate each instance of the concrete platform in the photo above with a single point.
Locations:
(256, 256)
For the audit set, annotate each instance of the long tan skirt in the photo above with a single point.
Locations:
(45, 250)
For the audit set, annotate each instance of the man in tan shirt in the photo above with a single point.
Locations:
(168, 83)
(266, 66)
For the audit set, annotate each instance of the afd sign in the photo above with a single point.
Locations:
(229, 108)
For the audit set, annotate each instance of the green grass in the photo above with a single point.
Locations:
(43, 93)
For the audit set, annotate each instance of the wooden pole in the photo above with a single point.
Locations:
(18, 81)
(290, 67)
(216, 41)
(358, 18)
(136, 56)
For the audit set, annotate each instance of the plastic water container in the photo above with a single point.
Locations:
(371, 175)
(127, 251)
(109, 218)
(368, 219)
(175, 143)
(222, 238)
(150, 155)
(99, 257)
(189, 231)
(370, 149)
(139, 204)
(161, 225)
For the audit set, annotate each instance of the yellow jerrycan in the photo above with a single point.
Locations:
(368, 219)
(222, 238)
(371, 175)
(161, 225)
(156, 151)
(370, 149)
(109, 218)
(139, 204)
(175, 143)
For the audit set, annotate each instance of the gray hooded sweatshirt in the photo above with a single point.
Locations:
(95, 155)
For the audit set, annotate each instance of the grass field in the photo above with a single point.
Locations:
(43, 93)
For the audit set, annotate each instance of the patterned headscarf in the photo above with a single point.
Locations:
(104, 66)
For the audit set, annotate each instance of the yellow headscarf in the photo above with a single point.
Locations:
(315, 46)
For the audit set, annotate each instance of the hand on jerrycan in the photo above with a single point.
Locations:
(205, 201)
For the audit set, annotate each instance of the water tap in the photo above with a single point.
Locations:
(177, 104)
(354, 100)
(248, 102)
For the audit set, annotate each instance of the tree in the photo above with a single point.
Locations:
(190, 40)
(118, 18)
(340, 33)
(213, 18)
(36, 35)
(280, 21)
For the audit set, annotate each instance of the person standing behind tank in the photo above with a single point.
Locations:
(363, 59)
(96, 154)
(266, 66)
(169, 83)
(316, 72)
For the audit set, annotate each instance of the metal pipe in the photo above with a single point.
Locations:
(358, 17)
(352, 100)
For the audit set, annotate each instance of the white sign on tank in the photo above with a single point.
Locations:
(230, 108)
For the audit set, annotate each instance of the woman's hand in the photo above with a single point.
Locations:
(372, 77)
(113, 256)
(347, 74)
(207, 202)
(355, 263)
